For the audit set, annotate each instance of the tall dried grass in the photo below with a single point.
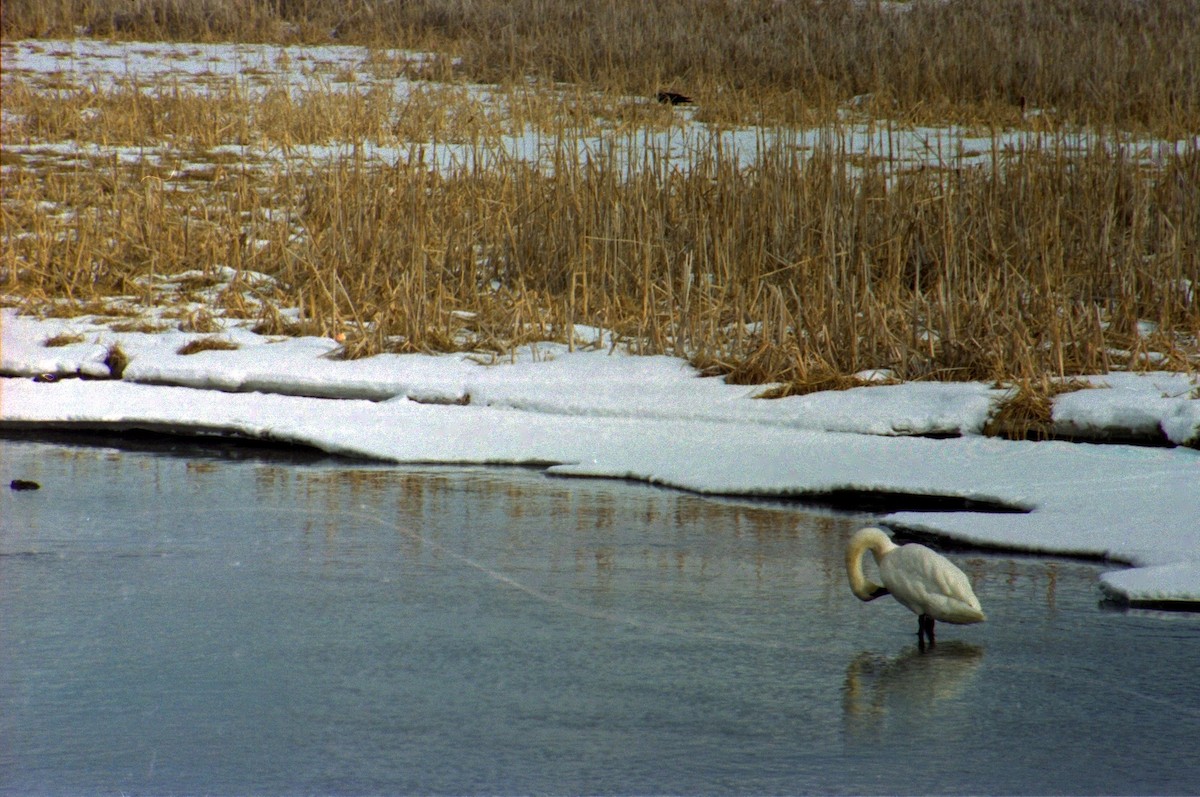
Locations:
(804, 270)
(1101, 62)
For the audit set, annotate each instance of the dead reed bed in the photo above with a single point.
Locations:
(1094, 62)
(1074, 254)
(805, 270)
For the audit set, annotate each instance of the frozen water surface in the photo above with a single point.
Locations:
(182, 623)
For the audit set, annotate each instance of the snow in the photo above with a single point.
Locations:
(1155, 585)
(600, 412)
(1133, 405)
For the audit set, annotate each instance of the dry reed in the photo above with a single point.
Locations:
(1099, 62)
(805, 270)
(1027, 412)
(211, 343)
(64, 339)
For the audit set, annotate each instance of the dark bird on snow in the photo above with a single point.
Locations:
(673, 98)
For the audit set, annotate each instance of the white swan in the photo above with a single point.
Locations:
(925, 582)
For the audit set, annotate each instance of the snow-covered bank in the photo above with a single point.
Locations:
(596, 413)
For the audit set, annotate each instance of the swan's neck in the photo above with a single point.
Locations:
(879, 545)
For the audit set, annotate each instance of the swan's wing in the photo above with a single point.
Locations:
(929, 583)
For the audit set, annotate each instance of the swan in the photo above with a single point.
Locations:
(925, 582)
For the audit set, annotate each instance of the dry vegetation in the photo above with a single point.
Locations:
(1099, 62)
(804, 270)
(207, 344)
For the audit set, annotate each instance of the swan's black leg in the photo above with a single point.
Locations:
(924, 630)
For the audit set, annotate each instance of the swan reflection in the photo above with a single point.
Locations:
(911, 683)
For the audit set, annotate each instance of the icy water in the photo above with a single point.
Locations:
(184, 624)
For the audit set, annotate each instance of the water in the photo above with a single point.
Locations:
(182, 624)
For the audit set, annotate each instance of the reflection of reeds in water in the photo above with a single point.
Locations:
(588, 521)
(913, 683)
(1036, 581)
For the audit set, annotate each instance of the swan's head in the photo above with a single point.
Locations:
(865, 539)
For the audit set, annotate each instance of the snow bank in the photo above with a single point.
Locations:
(1133, 405)
(600, 414)
(1172, 585)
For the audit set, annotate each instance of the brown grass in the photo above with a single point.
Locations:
(1027, 412)
(1098, 62)
(142, 325)
(207, 344)
(65, 339)
(201, 320)
(801, 271)
(116, 361)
